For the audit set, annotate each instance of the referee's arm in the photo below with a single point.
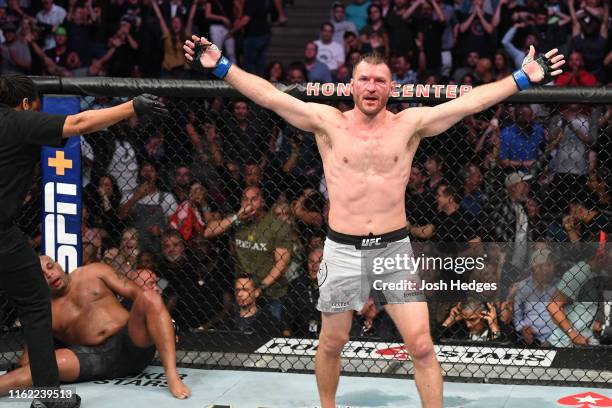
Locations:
(94, 120)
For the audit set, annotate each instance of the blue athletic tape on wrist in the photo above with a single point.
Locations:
(521, 79)
(223, 65)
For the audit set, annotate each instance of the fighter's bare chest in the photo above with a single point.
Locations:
(370, 150)
(77, 306)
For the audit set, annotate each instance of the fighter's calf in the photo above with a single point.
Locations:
(147, 310)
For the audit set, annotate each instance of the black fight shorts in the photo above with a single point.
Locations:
(117, 357)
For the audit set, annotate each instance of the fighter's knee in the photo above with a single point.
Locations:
(152, 300)
(62, 361)
(333, 343)
(421, 348)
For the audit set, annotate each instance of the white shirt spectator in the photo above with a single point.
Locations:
(166, 201)
(17, 48)
(571, 154)
(53, 17)
(341, 27)
(123, 167)
(331, 54)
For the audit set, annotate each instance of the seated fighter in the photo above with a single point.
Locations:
(104, 340)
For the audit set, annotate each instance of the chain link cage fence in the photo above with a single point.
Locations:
(222, 196)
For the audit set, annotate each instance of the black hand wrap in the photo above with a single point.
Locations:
(199, 49)
(546, 65)
(149, 105)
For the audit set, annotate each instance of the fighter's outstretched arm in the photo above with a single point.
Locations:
(435, 120)
(305, 116)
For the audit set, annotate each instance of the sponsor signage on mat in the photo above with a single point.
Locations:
(586, 400)
(396, 351)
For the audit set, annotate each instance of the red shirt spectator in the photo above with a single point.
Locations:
(188, 220)
(577, 76)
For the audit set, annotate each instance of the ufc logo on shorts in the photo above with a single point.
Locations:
(60, 244)
(366, 242)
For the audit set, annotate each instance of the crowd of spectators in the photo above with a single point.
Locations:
(223, 206)
(129, 38)
(223, 209)
(463, 41)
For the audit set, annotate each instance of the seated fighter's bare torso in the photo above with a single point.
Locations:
(89, 312)
(366, 170)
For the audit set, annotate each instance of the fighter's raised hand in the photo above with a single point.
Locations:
(199, 49)
(543, 69)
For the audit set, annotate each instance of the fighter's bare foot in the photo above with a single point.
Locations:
(178, 388)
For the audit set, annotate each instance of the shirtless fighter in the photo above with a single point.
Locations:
(104, 340)
(367, 154)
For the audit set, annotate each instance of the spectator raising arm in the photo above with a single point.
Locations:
(563, 18)
(93, 16)
(603, 30)
(597, 12)
(413, 7)
(97, 65)
(608, 60)
(71, 12)
(240, 24)
(16, 8)
(162, 22)
(463, 27)
(497, 16)
(49, 64)
(418, 41)
(438, 10)
(575, 23)
(218, 227)
(489, 28)
(516, 54)
(216, 154)
(190, 18)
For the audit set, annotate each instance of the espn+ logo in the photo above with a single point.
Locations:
(61, 208)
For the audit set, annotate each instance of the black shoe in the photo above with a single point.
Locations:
(72, 402)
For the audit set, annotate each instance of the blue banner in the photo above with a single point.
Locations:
(61, 185)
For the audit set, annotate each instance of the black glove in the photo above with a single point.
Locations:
(546, 65)
(147, 104)
(199, 49)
